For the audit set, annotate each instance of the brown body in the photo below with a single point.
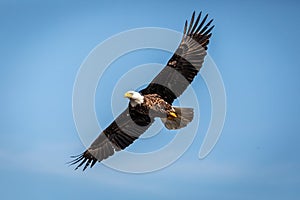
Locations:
(155, 106)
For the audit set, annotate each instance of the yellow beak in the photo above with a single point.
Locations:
(127, 95)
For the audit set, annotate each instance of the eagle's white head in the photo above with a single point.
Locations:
(134, 97)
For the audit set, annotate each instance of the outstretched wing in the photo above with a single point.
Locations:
(126, 128)
(186, 62)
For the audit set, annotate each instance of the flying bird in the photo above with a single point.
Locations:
(155, 101)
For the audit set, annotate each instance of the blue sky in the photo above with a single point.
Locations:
(255, 44)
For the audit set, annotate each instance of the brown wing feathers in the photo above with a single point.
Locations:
(122, 132)
(186, 62)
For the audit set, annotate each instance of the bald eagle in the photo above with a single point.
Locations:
(155, 101)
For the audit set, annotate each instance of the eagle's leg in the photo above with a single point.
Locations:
(178, 118)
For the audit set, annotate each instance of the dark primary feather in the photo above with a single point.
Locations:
(126, 128)
(184, 65)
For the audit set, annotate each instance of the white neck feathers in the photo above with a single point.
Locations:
(136, 99)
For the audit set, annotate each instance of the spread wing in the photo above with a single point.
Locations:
(122, 132)
(186, 62)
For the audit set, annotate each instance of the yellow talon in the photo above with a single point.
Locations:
(173, 114)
